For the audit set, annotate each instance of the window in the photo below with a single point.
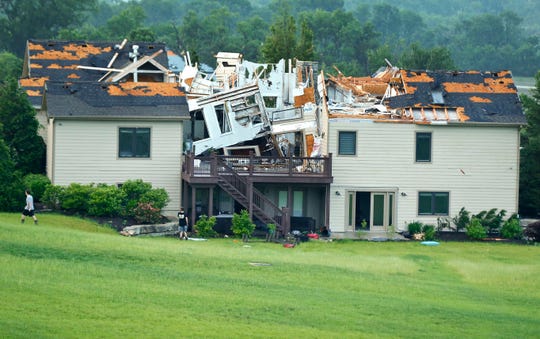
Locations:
(433, 203)
(423, 147)
(347, 143)
(270, 102)
(134, 142)
(223, 118)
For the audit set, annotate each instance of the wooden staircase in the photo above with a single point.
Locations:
(252, 199)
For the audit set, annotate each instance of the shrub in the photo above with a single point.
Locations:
(106, 201)
(52, 197)
(462, 219)
(271, 231)
(511, 228)
(76, 196)
(475, 230)
(491, 220)
(205, 226)
(533, 231)
(37, 184)
(429, 232)
(415, 227)
(158, 197)
(242, 225)
(146, 213)
(134, 190)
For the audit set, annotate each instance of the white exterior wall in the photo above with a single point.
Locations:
(478, 166)
(87, 152)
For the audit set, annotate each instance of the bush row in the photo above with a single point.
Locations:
(477, 226)
(133, 199)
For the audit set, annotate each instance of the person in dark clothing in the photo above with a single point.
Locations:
(183, 223)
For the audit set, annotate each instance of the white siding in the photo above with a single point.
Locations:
(87, 152)
(478, 166)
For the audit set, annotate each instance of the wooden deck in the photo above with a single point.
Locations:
(205, 170)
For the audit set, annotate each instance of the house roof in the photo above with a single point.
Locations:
(53, 60)
(59, 60)
(487, 97)
(115, 100)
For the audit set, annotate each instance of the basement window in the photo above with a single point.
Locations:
(433, 203)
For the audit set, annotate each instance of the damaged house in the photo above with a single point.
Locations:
(428, 145)
(292, 146)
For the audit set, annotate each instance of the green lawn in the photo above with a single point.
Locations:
(67, 278)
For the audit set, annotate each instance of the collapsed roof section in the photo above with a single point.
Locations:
(427, 97)
(243, 101)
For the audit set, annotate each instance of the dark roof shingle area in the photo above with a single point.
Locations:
(85, 100)
(488, 97)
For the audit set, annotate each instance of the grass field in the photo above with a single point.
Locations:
(68, 278)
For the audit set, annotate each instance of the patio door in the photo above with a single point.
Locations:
(381, 210)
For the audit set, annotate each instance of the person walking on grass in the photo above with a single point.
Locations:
(29, 208)
(183, 222)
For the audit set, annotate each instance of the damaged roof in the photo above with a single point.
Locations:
(115, 100)
(370, 85)
(53, 60)
(487, 97)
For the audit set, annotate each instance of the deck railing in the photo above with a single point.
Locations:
(260, 165)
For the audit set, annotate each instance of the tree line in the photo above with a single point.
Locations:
(356, 36)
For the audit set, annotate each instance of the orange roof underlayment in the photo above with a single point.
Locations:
(145, 89)
(32, 82)
(69, 52)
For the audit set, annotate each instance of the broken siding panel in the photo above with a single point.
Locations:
(94, 158)
(477, 165)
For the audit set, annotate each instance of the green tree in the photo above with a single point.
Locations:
(529, 178)
(10, 65)
(190, 32)
(280, 43)
(252, 32)
(305, 50)
(20, 129)
(341, 40)
(21, 20)
(437, 58)
(142, 34)
(11, 188)
(130, 19)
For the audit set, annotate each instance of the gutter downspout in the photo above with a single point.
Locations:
(50, 150)
(518, 168)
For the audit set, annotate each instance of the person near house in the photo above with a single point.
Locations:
(183, 222)
(29, 208)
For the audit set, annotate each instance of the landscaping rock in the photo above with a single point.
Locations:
(152, 230)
